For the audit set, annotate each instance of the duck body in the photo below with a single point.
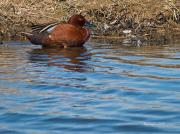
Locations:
(66, 35)
(71, 34)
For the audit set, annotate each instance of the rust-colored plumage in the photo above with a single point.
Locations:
(70, 34)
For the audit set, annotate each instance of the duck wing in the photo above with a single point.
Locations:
(44, 28)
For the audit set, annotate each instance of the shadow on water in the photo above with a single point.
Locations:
(72, 59)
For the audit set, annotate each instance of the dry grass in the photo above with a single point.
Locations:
(110, 16)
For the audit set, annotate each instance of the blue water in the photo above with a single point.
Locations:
(103, 88)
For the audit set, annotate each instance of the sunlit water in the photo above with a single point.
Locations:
(103, 88)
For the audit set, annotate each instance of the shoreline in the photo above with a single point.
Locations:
(142, 17)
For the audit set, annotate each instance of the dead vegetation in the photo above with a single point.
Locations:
(110, 16)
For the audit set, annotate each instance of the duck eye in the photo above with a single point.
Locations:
(80, 19)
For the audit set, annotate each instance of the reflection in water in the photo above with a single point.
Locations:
(148, 55)
(73, 59)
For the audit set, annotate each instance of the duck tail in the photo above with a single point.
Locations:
(33, 38)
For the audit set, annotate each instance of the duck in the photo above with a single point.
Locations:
(74, 33)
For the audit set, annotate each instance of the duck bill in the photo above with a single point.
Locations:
(89, 25)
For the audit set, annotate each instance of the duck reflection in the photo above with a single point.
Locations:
(72, 59)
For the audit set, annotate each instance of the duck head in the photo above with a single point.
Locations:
(79, 20)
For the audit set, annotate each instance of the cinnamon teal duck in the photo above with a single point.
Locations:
(74, 33)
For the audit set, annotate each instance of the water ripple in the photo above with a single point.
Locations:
(101, 88)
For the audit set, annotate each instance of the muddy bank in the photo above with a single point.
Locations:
(112, 17)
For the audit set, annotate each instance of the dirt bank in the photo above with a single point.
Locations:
(112, 17)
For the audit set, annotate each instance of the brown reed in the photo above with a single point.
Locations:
(110, 16)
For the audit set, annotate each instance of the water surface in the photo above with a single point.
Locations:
(102, 88)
